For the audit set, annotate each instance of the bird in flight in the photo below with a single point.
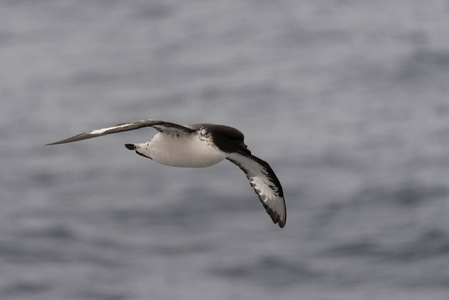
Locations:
(203, 145)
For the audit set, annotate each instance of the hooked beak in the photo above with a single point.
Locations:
(244, 148)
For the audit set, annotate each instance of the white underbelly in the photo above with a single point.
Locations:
(188, 151)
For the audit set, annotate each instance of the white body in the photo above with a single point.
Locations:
(194, 151)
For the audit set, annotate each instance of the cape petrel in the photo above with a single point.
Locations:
(203, 145)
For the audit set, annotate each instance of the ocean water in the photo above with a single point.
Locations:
(347, 101)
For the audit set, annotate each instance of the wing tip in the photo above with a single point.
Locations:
(281, 223)
(65, 141)
(54, 143)
(282, 220)
(276, 217)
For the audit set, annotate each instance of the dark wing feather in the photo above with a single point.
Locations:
(161, 126)
(265, 184)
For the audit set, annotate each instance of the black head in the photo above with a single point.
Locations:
(227, 139)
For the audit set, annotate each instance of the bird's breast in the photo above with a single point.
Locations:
(194, 150)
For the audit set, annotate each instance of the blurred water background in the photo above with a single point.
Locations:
(347, 100)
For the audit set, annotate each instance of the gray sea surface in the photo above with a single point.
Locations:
(347, 101)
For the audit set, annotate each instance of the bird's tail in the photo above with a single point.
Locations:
(130, 146)
(136, 148)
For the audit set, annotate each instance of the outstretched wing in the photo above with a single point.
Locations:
(161, 126)
(265, 184)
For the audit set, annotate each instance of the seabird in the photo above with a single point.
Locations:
(203, 145)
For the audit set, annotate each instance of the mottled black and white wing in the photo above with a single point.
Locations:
(265, 184)
(161, 126)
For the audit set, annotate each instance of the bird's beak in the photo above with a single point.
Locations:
(244, 149)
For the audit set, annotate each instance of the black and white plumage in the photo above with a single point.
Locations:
(203, 145)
